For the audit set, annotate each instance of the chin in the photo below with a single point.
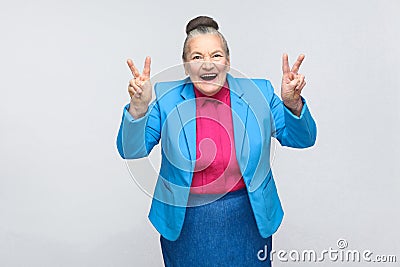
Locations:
(208, 89)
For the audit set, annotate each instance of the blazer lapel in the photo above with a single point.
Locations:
(239, 118)
(187, 114)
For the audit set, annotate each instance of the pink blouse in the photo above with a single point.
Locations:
(216, 169)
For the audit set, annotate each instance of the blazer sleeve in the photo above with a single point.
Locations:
(290, 130)
(137, 137)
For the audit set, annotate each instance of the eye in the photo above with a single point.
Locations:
(217, 55)
(197, 57)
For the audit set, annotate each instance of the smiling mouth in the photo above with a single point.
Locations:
(208, 76)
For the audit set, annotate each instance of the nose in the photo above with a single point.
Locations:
(207, 64)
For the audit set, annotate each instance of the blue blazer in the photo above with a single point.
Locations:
(257, 115)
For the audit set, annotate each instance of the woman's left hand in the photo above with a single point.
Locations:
(292, 84)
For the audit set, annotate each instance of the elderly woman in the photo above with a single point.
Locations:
(215, 202)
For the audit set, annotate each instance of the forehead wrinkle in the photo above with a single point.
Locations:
(202, 43)
(213, 52)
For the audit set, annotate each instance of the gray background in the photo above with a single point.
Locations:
(66, 197)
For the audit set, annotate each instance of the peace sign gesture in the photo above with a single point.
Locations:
(292, 84)
(139, 89)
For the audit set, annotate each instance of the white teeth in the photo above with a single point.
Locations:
(208, 75)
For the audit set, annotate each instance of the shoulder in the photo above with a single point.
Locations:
(253, 86)
(169, 88)
(262, 84)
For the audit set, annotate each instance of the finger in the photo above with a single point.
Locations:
(131, 82)
(131, 91)
(134, 90)
(146, 70)
(296, 65)
(138, 86)
(285, 63)
(301, 86)
(133, 69)
(301, 80)
(135, 84)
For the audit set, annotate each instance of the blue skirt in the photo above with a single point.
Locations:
(220, 233)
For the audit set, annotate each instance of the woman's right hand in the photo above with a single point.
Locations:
(139, 89)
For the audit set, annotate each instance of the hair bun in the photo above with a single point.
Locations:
(201, 21)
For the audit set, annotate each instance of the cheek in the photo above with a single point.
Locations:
(192, 70)
(223, 66)
(222, 72)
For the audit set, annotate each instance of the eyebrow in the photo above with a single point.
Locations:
(215, 51)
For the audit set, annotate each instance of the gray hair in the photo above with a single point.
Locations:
(203, 30)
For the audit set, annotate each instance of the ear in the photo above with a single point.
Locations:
(228, 64)
(186, 67)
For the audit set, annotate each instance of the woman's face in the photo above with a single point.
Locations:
(207, 63)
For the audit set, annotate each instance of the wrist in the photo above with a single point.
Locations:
(294, 107)
(137, 111)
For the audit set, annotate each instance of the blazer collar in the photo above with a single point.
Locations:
(187, 91)
(234, 86)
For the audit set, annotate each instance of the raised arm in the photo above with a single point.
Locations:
(294, 125)
(140, 127)
(139, 89)
(292, 85)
